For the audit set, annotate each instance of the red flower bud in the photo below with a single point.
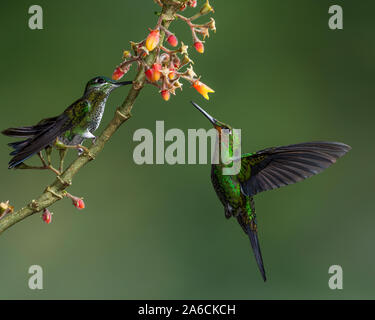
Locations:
(172, 40)
(165, 95)
(47, 216)
(79, 204)
(118, 74)
(193, 3)
(199, 46)
(149, 74)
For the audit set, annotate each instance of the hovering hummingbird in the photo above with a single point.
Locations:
(69, 129)
(265, 170)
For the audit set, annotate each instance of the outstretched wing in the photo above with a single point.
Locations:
(280, 166)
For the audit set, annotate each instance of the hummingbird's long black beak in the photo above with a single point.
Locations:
(123, 83)
(210, 118)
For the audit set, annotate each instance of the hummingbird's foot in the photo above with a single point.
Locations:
(82, 150)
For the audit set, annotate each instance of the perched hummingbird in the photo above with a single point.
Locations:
(76, 123)
(265, 170)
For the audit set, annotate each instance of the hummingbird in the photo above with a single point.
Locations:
(264, 170)
(68, 130)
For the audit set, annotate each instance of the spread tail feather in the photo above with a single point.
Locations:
(30, 131)
(22, 132)
(18, 146)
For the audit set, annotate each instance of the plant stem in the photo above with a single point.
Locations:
(55, 191)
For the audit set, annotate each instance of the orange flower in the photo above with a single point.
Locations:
(153, 74)
(172, 73)
(157, 74)
(199, 46)
(203, 89)
(152, 39)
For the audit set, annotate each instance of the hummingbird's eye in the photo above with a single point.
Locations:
(100, 80)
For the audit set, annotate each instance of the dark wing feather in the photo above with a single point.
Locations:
(276, 167)
(18, 145)
(30, 131)
(45, 132)
(46, 136)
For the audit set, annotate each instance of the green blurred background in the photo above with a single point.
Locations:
(158, 231)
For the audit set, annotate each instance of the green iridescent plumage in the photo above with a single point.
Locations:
(76, 123)
(264, 170)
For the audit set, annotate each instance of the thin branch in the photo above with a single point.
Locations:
(56, 191)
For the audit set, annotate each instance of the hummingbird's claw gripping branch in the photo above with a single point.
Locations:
(81, 149)
(86, 151)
